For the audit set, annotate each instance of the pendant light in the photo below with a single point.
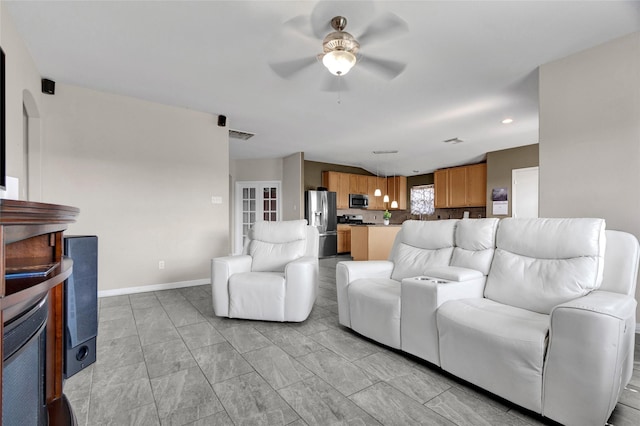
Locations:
(385, 199)
(377, 192)
(394, 203)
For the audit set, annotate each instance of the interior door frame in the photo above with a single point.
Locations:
(514, 194)
(240, 185)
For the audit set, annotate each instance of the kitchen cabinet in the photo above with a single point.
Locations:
(397, 190)
(344, 238)
(374, 182)
(347, 183)
(358, 184)
(461, 186)
(339, 183)
(372, 242)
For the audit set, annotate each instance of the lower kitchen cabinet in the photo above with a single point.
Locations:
(372, 242)
(344, 238)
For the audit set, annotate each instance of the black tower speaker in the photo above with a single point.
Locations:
(81, 304)
(48, 86)
(222, 120)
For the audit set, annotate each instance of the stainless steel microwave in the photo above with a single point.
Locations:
(358, 201)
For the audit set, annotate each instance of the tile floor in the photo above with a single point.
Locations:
(164, 358)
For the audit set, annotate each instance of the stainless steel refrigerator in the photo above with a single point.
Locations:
(320, 211)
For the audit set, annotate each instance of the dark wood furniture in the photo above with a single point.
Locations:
(31, 234)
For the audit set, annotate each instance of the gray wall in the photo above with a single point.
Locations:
(590, 135)
(500, 165)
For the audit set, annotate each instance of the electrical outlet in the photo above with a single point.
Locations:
(161, 264)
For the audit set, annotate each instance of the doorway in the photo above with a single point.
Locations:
(525, 192)
(255, 201)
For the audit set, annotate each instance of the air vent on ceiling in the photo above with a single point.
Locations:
(392, 151)
(453, 141)
(237, 134)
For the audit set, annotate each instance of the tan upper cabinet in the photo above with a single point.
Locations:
(441, 188)
(397, 190)
(346, 183)
(339, 183)
(461, 186)
(358, 184)
(374, 182)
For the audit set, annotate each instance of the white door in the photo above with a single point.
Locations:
(255, 201)
(525, 192)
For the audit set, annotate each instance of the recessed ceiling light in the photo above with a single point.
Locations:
(507, 121)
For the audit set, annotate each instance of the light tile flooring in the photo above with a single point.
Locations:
(164, 358)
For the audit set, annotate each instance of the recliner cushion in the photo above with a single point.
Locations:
(421, 245)
(498, 347)
(274, 244)
(541, 263)
(257, 295)
(374, 308)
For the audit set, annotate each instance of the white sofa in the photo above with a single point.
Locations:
(276, 277)
(540, 312)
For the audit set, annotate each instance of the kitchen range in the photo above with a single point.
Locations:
(353, 219)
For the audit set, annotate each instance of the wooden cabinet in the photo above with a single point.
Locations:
(344, 238)
(372, 242)
(358, 184)
(397, 190)
(374, 182)
(461, 186)
(441, 188)
(340, 184)
(346, 183)
(31, 236)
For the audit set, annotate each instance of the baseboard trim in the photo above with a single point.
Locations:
(153, 287)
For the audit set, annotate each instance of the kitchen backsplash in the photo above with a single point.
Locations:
(399, 216)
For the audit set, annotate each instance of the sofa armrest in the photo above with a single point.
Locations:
(221, 270)
(420, 301)
(301, 281)
(589, 358)
(349, 271)
(453, 273)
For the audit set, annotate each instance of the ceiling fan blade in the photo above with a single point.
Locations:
(288, 69)
(385, 68)
(333, 83)
(301, 25)
(383, 28)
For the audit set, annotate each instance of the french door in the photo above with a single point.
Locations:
(255, 201)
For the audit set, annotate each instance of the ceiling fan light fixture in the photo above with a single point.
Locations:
(339, 62)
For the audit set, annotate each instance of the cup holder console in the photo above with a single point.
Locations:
(435, 280)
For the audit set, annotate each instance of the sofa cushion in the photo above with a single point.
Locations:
(421, 245)
(274, 244)
(540, 263)
(475, 241)
(258, 296)
(495, 346)
(374, 308)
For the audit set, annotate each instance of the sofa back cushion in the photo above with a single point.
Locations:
(475, 243)
(274, 244)
(540, 263)
(420, 245)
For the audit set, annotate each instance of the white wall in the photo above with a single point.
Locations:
(143, 176)
(590, 135)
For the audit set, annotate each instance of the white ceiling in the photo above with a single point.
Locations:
(470, 64)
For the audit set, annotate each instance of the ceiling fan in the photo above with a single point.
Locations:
(341, 50)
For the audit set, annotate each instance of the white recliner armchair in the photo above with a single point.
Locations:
(274, 279)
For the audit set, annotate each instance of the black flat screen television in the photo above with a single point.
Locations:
(3, 125)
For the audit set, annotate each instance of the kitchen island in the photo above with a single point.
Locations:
(372, 242)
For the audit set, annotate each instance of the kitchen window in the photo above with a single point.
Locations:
(422, 201)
